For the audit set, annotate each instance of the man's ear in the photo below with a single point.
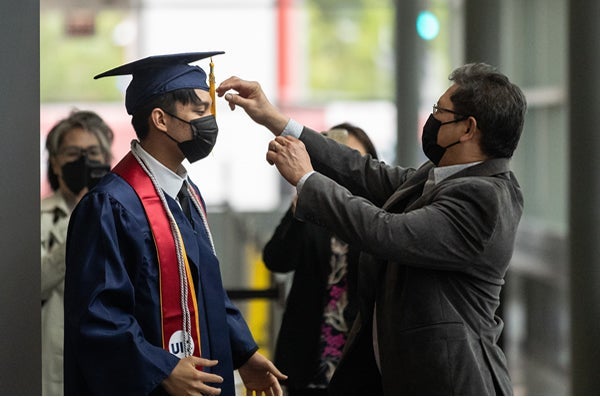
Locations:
(158, 119)
(471, 129)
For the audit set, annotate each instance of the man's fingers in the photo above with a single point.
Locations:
(209, 391)
(226, 85)
(272, 152)
(231, 105)
(283, 140)
(203, 362)
(277, 373)
(207, 377)
(233, 100)
(276, 390)
(276, 146)
(210, 378)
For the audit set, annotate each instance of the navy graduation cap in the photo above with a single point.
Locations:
(159, 74)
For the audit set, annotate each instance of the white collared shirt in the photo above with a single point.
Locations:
(438, 174)
(168, 180)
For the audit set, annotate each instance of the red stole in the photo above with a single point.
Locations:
(164, 238)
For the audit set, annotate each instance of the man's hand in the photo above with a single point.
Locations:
(290, 157)
(253, 100)
(260, 376)
(186, 380)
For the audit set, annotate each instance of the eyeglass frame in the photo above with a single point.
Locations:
(94, 152)
(436, 110)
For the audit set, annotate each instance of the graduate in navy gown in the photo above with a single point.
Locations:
(145, 308)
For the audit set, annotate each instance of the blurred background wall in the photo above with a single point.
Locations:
(379, 64)
(20, 343)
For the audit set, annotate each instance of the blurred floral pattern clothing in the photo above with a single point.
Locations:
(306, 250)
(334, 328)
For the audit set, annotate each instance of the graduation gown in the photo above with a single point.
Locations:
(113, 337)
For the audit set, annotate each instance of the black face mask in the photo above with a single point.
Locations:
(204, 137)
(432, 150)
(82, 173)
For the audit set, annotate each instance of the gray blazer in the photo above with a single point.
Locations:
(432, 269)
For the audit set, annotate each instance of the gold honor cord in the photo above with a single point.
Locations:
(211, 81)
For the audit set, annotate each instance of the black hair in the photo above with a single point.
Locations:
(498, 105)
(141, 118)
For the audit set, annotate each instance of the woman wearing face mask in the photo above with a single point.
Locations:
(78, 155)
(322, 303)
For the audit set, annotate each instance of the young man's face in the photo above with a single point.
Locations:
(190, 112)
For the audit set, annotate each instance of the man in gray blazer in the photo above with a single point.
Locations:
(436, 241)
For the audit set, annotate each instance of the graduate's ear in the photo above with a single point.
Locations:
(158, 119)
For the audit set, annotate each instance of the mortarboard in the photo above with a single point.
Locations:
(159, 74)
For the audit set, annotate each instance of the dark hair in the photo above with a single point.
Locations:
(86, 120)
(498, 105)
(141, 118)
(360, 135)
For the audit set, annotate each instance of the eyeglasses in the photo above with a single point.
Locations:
(437, 110)
(75, 152)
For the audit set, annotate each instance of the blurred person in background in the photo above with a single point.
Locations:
(79, 154)
(435, 242)
(321, 305)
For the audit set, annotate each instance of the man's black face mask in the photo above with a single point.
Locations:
(431, 129)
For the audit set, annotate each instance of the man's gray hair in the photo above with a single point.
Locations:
(498, 105)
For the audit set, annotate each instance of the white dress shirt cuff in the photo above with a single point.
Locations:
(302, 180)
(292, 128)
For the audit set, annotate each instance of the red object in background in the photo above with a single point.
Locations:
(284, 27)
(287, 70)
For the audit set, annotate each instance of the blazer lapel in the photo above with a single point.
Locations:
(489, 167)
(411, 189)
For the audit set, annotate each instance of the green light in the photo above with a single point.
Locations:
(428, 25)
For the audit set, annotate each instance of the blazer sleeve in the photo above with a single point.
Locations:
(361, 175)
(449, 233)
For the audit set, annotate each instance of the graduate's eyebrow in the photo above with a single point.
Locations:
(200, 105)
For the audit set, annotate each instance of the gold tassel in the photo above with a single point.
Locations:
(211, 80)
